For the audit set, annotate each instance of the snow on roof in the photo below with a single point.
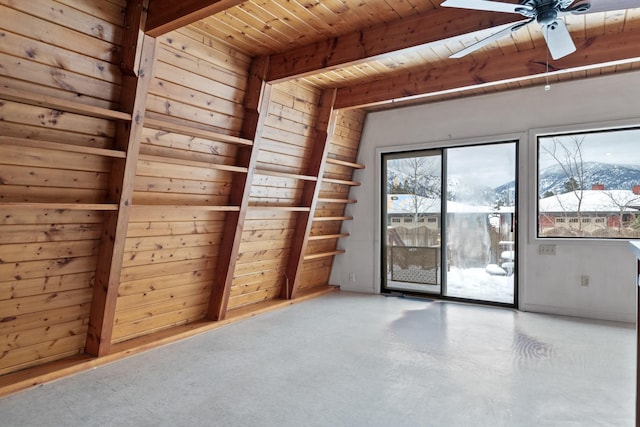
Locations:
(592, 201)
(406, 203)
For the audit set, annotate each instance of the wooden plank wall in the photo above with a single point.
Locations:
(173, 237)
(275, 193)
(60, 85)
(48, 252)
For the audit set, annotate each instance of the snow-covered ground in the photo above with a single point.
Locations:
(476, 283)
(471, 283)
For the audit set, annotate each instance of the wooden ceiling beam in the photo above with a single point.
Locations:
(168, 15)
(381, 40)
(489, 70)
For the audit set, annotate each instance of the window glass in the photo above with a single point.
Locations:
(589, 184)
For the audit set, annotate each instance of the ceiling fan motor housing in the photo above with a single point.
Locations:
(546, 11)
(547, 14)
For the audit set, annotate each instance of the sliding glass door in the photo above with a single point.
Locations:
(413, 192)
(480, 216)
(449, 222)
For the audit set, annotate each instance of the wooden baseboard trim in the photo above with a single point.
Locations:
(36, 376)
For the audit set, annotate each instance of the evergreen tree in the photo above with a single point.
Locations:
(572, 185)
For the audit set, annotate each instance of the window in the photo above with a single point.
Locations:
(395, 220)
(591, 182)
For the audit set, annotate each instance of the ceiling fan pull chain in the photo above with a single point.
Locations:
(547, 86)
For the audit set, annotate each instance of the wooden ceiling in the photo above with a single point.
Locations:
(384, 52)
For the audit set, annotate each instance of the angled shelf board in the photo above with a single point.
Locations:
(333, 218)
(61, 104)
(192, 163)
(215, 208)
(324, 254)
(268, 172)
(341, 182)
(338, 201)
(328, 236)
(280, 208)
(62, 206)
(344, 163)
(194, 131)
(35, 143)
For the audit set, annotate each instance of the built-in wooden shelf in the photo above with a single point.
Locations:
(281, 208)
(341, 182)
(340, 201)
(192, 163)
(30, 98)
(324, 254)
(196, 132)
(268, 172)
(61, 206)
(328, 236)
(344, 163)
(35, 143)
(332, 218)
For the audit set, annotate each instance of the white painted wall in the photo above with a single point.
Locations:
(548, 284)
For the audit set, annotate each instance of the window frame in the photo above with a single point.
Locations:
(534, 136)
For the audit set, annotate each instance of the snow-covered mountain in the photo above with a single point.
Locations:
(457, 191)
(614, 177)
(470, 193)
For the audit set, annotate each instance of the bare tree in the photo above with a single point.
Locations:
(568, 156)
(623, 200)
(419, 178)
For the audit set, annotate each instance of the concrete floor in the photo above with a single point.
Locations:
(359, 360)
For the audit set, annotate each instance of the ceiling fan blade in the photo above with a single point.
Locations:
(493, 6)
(558, 39)
(493, 37)
(607, 5)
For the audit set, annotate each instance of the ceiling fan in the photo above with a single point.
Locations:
(548, 13)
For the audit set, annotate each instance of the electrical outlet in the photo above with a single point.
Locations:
(352, 277)
(584, 280)
(547, 249)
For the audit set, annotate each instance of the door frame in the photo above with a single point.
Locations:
(519, 139)
(383, 213)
